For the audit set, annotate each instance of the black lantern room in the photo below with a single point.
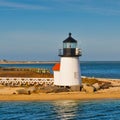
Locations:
(70, 48)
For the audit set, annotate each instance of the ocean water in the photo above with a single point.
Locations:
(90, 69)
(66, 109)
(101, 69)
(60, 110)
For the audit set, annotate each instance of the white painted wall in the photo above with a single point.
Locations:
(70, 71)
(56, 77)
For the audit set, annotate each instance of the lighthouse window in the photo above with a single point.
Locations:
(64, 45)
(76, 75)
(74, 45)
(69, 45)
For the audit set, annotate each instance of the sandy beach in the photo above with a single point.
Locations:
(60, 96)
(6, 94)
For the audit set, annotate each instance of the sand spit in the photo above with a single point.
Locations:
(7, 93)
(60, 96)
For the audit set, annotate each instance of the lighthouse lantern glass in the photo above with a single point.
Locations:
(69, 45)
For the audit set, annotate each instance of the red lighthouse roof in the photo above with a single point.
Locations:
(56, 67)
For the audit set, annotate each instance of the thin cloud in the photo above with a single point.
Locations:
(98, 10)
(21, 6)
(106, 7)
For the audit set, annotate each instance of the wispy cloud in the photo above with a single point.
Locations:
(21, 5)
(107, 7)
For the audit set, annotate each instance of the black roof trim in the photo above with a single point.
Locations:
(70, 39)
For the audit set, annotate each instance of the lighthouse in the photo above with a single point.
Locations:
(67, 72)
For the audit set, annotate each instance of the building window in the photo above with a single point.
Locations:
(76, 75)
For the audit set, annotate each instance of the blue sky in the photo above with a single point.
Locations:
(35, 29)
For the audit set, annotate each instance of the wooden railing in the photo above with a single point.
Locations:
(10, 81)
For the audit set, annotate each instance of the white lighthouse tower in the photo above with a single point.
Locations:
(68, 73)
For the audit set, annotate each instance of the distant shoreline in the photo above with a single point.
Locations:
(28, 62)
(49, 62)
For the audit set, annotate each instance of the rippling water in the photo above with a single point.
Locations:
(66, 110)
(101, 69)
(61, 110)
